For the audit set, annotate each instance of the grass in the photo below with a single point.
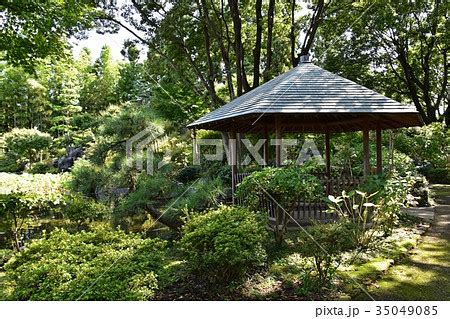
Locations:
(425, 274)
(375, 263)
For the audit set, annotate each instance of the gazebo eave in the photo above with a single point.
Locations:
(312, 122)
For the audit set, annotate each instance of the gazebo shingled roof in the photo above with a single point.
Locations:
(309, 99)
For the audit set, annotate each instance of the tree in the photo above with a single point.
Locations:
(230, 48)
(63, 83)
(130, 85)
(33, 29)
(399, 47)
(23, 99)
(26, 144)
(99, 91)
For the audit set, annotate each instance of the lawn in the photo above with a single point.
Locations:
(425, 274)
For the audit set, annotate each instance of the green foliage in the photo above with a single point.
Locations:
(42, 168)
(150, 191)
(99, 90)
(224, 242)
(189, 174)
(395, 191)
(438, 175)
(325, 243)
(32, 183)
(33, 30)
(377, 207)
(356, 208)
(26, 144)
(84, 210)
(5, 255)
(201, 195)
(85, 178)
(427, 144)
(285, 186)
(175, 200)
(17, 209)
(95, 265)
(23, 99)
(386, 24)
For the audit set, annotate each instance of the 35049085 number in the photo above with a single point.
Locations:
(407, 310)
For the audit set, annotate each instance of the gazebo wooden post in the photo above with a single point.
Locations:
(379, 152)
(366, 152)
(238, 149)
(233, 159)
(266, 146)
(278, 137)
(328, 160)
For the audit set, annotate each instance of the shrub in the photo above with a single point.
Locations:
(82, 209)
(32, 183)
(202, 195)
(26, 144)
(357, 208)
(426, 144)
(437, 175)
(94, 265)
(224, 242)
(283, 185)
(390, 194)
(150, 192)
(5, 255)
(325, 243)
(188, 174)
(42, 168)
(17, 208)
(85, 178)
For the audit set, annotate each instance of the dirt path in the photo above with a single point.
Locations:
(425, 274)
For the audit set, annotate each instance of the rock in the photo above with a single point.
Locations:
(65, 163)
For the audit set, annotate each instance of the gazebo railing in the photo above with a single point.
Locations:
(305, 212)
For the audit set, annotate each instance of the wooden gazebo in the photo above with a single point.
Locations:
(309, 99)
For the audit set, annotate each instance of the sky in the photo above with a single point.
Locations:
(96, 41)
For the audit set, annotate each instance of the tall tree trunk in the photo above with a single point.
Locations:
(292, 36)
(242, 83)
(314, 24)
(270, 17)
(257, 49)
(221, 39)
(203, 9)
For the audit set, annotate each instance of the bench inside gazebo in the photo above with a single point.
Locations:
(309, 99)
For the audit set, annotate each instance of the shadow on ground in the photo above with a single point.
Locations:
(425, 274)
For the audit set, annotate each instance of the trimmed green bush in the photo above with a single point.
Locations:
(224, 242)
(95, 265)
(84, 209)
(26, 144)
(284, 186)
(325, 243)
